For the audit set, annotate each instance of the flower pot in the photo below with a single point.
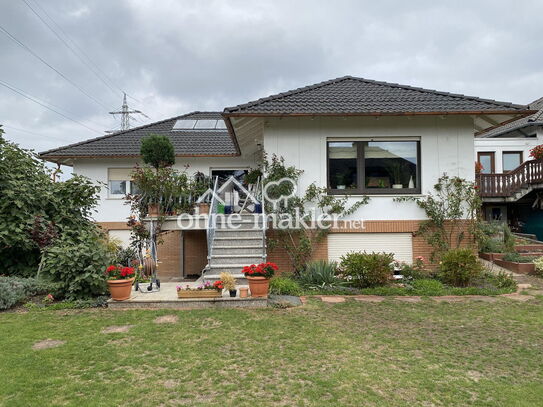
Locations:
(258, 208)
(203, 208)
(232, 293)
(120, 289)
(259, 286)
(153, 210)
(198, 294)
(243, 292)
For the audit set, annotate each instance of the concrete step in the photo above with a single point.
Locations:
(240, 226)
(227, 240)
(236, 234)
(240, 258)
(248, 250)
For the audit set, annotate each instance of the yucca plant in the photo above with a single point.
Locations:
(320, 274)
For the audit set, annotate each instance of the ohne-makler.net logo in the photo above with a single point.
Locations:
(309, 219)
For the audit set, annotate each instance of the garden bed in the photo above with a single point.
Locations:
(521, 268)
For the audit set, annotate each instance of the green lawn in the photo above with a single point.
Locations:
(372, 354)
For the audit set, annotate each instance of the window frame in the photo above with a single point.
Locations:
(110, 195)
(492, 155)
(361, 171)
(519, 153)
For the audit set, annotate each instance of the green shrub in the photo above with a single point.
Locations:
(14, 290)
(518, 258)
(367, 269)
(284, 286)
(157, 151)
(502, 280)
(428, 286)
(492, 246)
(539, 266)
(125, 256)
(459, 267)
(78, 262)
(319, 274)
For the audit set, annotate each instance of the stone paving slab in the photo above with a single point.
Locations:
(332, 299)
(369, 298)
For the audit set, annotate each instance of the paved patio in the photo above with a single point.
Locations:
(167, 298)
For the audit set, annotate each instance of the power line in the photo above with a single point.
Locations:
(50, 66)
(8, 126)
(81, 51)
(68, 45)
(125, 113)
(52, 105)
(47, 107)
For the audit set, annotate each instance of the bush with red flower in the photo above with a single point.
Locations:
(260, 270)
(537, 152)
(119, 273)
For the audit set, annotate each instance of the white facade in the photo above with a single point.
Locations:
(446, 146)
(499, 145)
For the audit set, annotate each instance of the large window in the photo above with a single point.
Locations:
(374, 167)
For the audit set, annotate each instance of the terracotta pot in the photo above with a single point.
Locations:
(259, 286)
(243, 292)
(153, 210)
(203, 208)
(120, 289)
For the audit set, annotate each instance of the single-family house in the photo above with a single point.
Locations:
(351, 135)
(511, 182)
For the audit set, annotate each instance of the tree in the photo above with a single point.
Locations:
(40, 216)
(157, 151)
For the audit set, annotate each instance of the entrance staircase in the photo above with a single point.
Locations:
(234, 240)
(239, 240)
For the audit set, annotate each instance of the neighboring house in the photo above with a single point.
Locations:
(510, 187)
(351, 135)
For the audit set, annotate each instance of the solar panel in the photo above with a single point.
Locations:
(184, 124)
(205, 124)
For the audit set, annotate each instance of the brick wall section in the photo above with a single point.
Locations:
(169, 255)
(420, 247)
(113, 226)
(195, 251)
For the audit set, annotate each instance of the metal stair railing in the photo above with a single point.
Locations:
(212, 219)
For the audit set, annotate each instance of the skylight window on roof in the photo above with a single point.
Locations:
(220, 124)
(184, 124)
(205, 124)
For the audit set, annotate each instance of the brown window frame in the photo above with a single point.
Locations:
(361, 174)
(520, 153)
(492, 155)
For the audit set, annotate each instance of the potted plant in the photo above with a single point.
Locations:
(395, 168)
(537, 152)
(229, 283)
(119, 281)
(341, 181)
(259, 278)
(206, 290)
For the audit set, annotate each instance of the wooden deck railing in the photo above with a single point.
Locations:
(505, 185)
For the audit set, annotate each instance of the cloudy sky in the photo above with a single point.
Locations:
(173, 57)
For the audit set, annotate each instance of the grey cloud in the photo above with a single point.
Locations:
(178, 56)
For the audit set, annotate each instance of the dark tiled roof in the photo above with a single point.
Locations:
(127, 143)
(350, 95)
(535, 119)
